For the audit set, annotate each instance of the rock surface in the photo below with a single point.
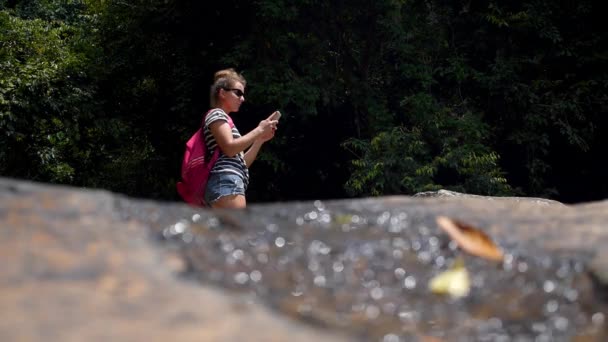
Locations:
(72, 270)
(90, 265)
(453, 194)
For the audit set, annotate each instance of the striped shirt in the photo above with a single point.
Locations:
(224, 163)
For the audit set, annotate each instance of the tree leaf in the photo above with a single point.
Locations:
(470, 239)
(454, 281)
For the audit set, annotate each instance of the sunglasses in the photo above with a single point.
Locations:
(237, 92)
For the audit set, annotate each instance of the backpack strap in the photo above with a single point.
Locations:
(230, 123)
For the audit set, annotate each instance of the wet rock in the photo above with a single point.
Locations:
(354, 267)
(73, 270)
(453, 194)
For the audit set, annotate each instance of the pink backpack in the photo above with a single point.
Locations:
(196, 166)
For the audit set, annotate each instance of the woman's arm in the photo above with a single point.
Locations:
(252, 153)
(231, 147)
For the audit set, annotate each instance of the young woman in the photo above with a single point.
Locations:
(229, 176)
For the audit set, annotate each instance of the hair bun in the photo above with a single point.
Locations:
(226, 73)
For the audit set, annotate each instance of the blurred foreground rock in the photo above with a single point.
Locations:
(453, 194)
(90, 265)
(73, 270)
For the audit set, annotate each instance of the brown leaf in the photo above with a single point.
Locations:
(470, 239)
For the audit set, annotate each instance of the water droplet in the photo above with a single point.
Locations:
(416, 245)
(273, 228)
(369, 274)
(389, 308)
(241, 278)
(372, 312)
(571, 294)
(440, 261)
(355, 219)
(397, 254)
(522, 267)
(180, 227)
(598, 318)
(399, 273)
(542, 338)
(255, 275)
(561, 323)
(508, 262)
(408, 316)
(377, 293)
(238, 254)
(539, 327)
(299, 221)
(311, 216)
(400, 243)
(425, 257)
(319, 281)
(395, 228)
(453, 245)
(394, 221)
(318, 247)
(196, 218)
(562, 272)
(383, 218)
(410, 282)
(213, 222)
(262, 258)
(319, 205)
(227, 247)
(391, 338)
(478, 281)
(502, 338)
(367, 250)
(279, 242)
(338, 266)
(549, 286)
(187, 237)
(424, 230)
(551, 306)
(313, 265)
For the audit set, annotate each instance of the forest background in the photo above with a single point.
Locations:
(379, 97)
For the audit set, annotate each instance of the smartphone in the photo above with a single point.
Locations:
(275, 116)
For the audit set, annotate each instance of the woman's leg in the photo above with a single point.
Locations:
(230, 202)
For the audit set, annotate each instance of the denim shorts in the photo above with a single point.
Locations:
(223, 184)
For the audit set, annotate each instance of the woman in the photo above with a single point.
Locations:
(229, 176)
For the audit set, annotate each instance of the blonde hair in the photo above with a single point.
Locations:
(225, 78)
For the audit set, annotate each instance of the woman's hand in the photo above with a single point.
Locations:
(267, 128)
(267, 135)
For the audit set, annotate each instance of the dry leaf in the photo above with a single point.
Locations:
(470, 239)
(454, 281)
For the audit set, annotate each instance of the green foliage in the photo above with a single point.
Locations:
(440, 150)
(40, 98)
